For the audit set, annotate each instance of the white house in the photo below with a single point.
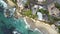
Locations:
(41, 0)
(40, 16)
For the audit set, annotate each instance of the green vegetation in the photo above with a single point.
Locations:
(14, 1)
(27, 3)
(50, 18)
(43, 11)
(57, 5)
(58, 28)
(53, 19)
(29, 14)
(56, 19)
(34, 16)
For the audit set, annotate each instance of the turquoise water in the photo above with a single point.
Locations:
(7, 25)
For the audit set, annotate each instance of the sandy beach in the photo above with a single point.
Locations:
(44, 28)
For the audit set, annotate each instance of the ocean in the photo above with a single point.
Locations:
(11, 25)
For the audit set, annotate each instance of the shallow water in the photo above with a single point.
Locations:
(7, 25)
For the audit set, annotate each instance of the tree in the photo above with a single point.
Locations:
(57, 5)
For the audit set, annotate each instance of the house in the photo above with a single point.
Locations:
(40, 16)
(50, 6)
(41, 1)
(44, 3)
(35, 8)
(36, 1)
(53, 11)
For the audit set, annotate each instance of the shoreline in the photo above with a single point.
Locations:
(35, 28)
(39, 24)
(28, 26)
(38, 30)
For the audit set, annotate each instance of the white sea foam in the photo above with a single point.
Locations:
(27, 25)
(36, 29)
(4, 4)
